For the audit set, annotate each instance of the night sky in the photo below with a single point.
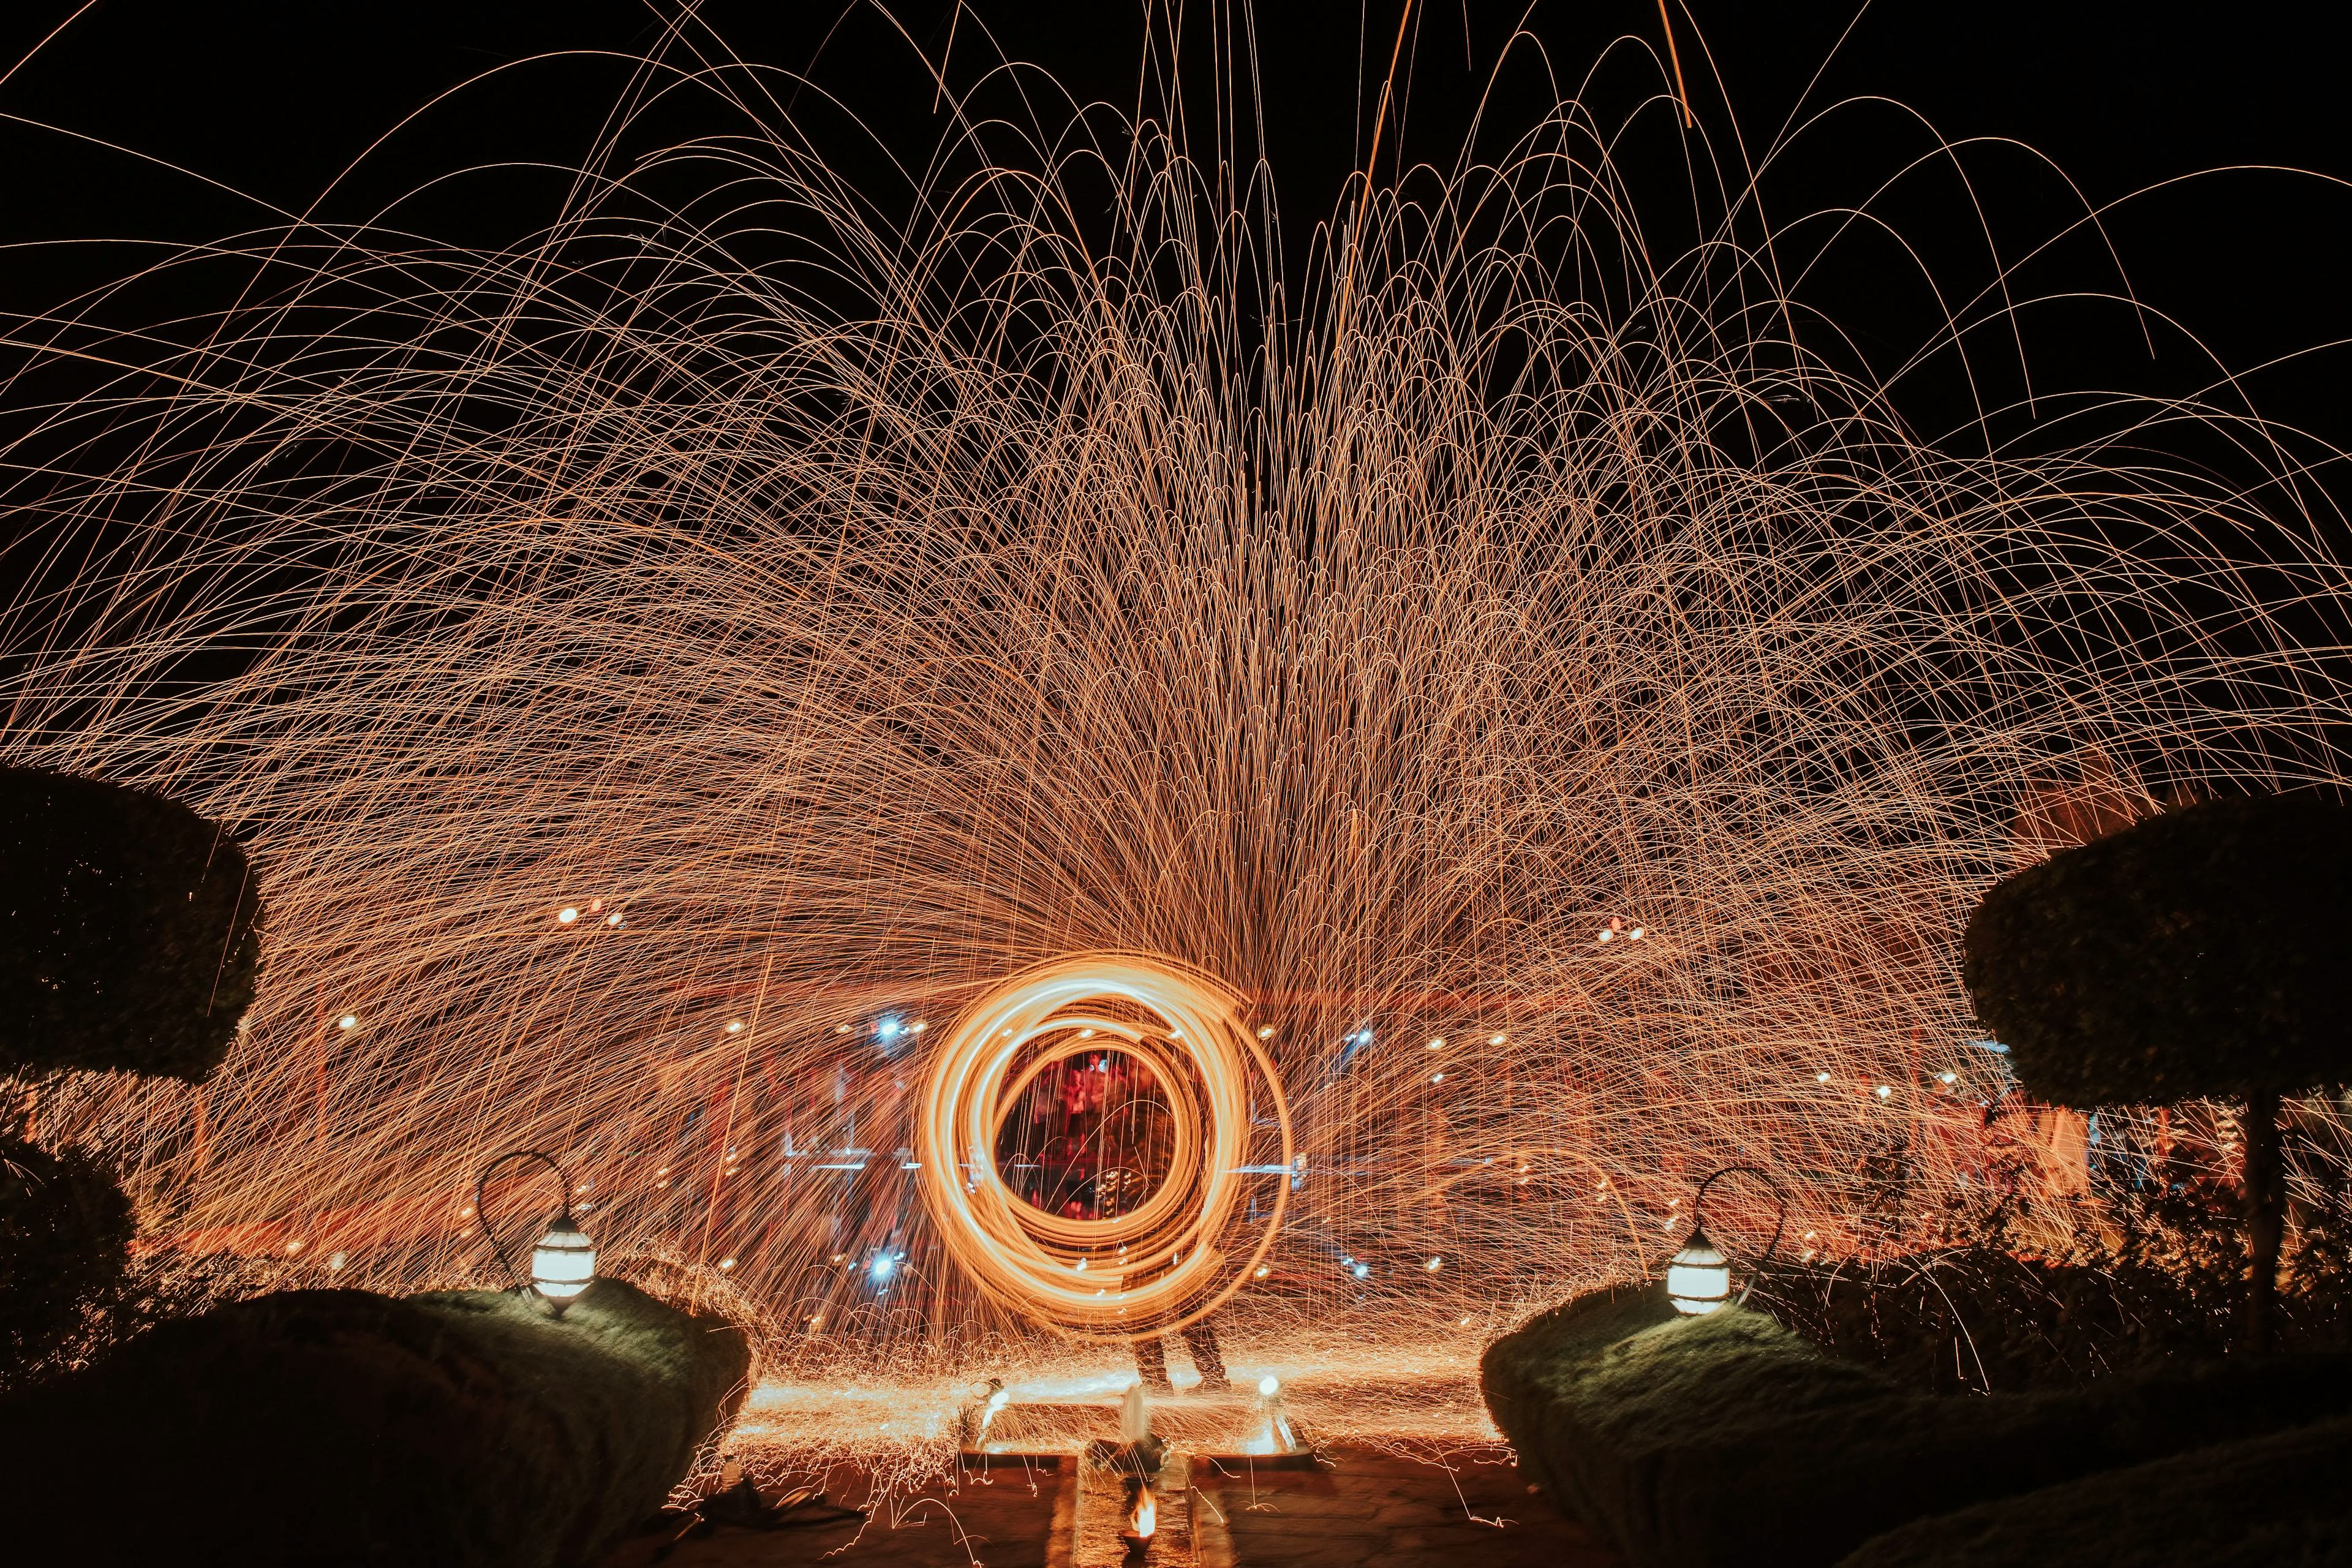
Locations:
(276, 99)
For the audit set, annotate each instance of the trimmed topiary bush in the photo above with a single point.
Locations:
(2200, 953)
(1691, 1442)
(130, 930)
(2266, 1502)
(64, 1229)
(465, 1430)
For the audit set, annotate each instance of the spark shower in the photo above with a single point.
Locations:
(673, 669)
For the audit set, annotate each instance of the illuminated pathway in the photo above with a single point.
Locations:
(1361, 1509)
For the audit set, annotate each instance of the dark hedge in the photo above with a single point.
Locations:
(1690, 1442)
(2203, 953)
(2266, 1502)
(463, 1430)
(64, 1229)
(131, 934)
(2162, 1283)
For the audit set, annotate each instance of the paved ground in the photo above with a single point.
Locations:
(1357, 1509)
(1364, 1509)
(1003, 1517)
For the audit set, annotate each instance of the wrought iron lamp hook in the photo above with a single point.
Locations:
(1779, 1222)
(481, 1186)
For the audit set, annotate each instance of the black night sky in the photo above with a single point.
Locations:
(276, 99)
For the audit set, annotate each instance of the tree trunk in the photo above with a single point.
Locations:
(2265, 1219)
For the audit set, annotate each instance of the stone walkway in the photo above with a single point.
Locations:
(1011, 1515)
(1356, 1509)
(1366, 1509)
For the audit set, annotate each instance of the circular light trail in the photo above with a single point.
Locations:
(1187, 1248)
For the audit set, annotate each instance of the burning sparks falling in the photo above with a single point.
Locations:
(1448, 661)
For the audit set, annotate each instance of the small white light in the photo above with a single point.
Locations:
(887, 1028)
(917, 1027)
(1464, 1323)
(1636, 934)
(734, 1025)
(335, 1261)
(566, 915)
(1085, 1034)
(293, 1246)
(1820, 1077)
(347, 1021)
(1262, 1272)
(725, 1264)
(841, 1028)
(1884, 1092)
(1434, 1264)
(1947, 1078)
(1363, 1270)
(562, 1263)
(1437, 1077)
(1699, 1277)
(1606, 934)
(1268, 1387)
(1267, 1033)
(614, 918)
(1495, 1039)
(883, 1266)
(1438, 1044)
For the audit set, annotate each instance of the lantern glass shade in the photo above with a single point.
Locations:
(1699, 1277)
(562, 1263)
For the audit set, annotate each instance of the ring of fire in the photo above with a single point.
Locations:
(1170, 1260)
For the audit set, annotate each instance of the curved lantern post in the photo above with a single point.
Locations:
(1699, 1277)
(564, 1260)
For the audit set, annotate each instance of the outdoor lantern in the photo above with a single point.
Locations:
(563, 1263)
(1699, 1277)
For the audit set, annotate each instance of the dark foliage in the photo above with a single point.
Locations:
(130, 930)
(150, 1289)
(2203, 953)
(2142, 1282)
(64, 1228)
(2265, 1502)
(1693, 1442)
(467, 1428)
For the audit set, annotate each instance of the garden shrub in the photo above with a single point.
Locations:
(461, 1429)
(2142, 1282)
(1696, 1441)
(65, 1227)
(130, 930)
(2275, 1502)
(2200, 953)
